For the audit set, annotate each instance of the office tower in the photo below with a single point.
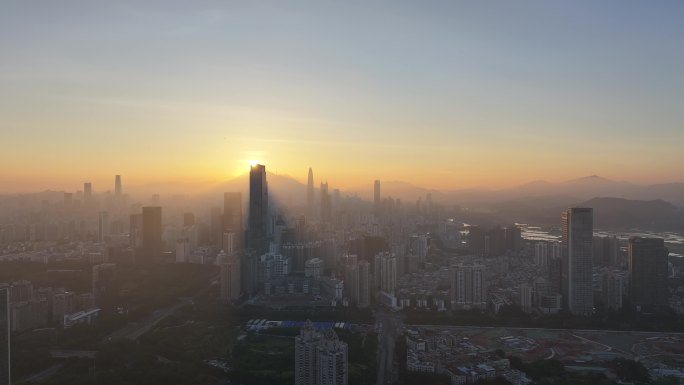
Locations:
(310, 196)
(135, 231)
(577, 228)
(468, 286)
(258, 209)
(385, 272)
(230, 279)
(188, 219)
(611, 290)
(151, 234)
(117, 185)
(5, 331)
(87, 192)
(326, 204)
(102, 226)
(647, 263)
(376, 197)
(232, 218)
(320, 358)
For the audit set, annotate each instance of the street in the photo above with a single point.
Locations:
(391, 326)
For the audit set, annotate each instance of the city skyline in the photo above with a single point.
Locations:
(494, 100)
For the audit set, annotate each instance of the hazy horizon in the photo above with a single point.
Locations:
(451, 96)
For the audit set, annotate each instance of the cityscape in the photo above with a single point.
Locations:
(341, 193)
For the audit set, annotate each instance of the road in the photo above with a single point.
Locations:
(133, 331)
(391, 327)
(41, 376)
(72, 353)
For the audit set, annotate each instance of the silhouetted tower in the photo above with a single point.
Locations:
(232, 218)
(151, 234)
(376, 197)
(310, 195)
(326, 203)
(117, 185)
(87, 192)
(647, 261)
(258, 209)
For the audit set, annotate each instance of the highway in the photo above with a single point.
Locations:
(133, 331)
(390, 325)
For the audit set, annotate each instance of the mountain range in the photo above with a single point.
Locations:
(537, 193)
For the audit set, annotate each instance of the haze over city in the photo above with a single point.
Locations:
(341, 193)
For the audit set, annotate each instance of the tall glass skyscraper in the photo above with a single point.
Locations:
(577, 227)
(258, 209)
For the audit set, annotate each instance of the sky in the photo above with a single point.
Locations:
(442, 94)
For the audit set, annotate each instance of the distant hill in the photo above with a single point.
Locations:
(626, 213)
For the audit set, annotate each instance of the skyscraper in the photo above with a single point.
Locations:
(151, 234)
(577, 227)
(232, 218)
(320, 358)
(103, 226)
(376, 197)
(326, 203)
(117, 185)
(647, 262)
(310, 198)
(87, 192)
(5, 325)
(258, 209)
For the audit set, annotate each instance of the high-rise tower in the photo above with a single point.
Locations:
(577, 227)
(258, 209)
(647, 261)
(87, 192)
(376, 197)
(117, 185)
(151, 234)
(310, 198)
(326, 203)
(232, 218)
